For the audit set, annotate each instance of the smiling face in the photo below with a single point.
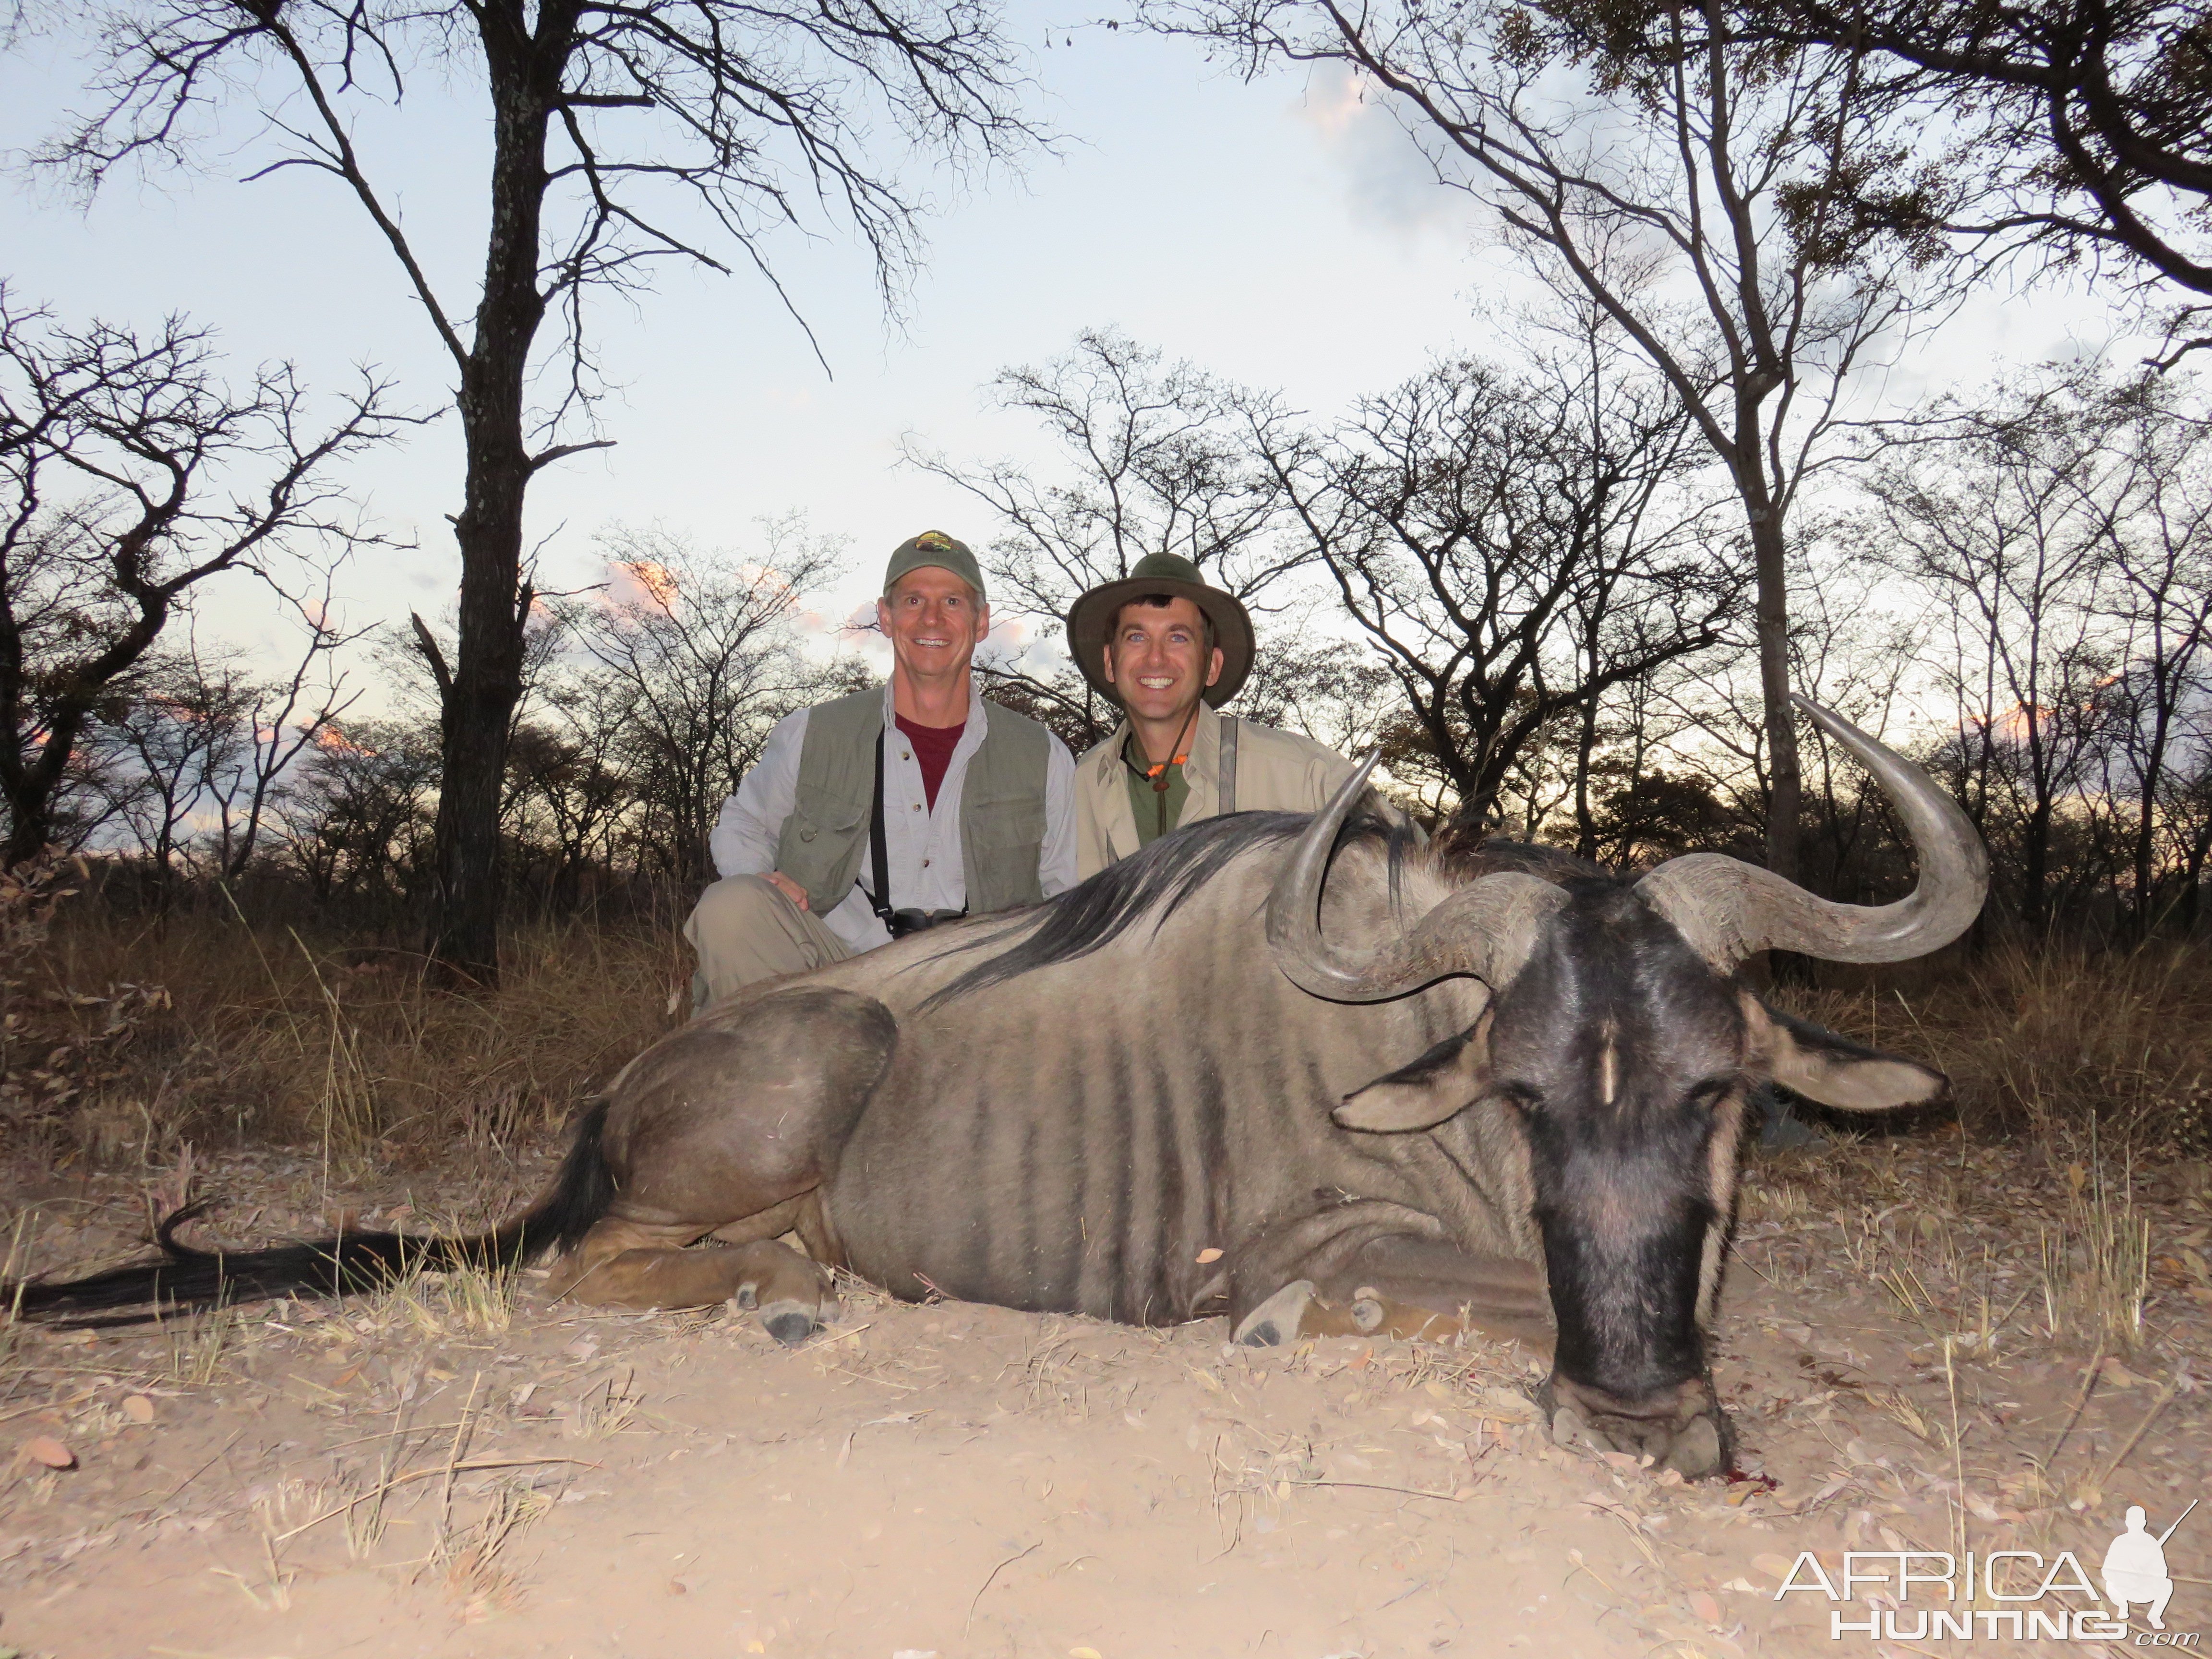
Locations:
(1158, 660)
(934, 622)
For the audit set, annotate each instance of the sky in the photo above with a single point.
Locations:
(1284, 234)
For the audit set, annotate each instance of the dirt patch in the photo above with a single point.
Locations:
(455, 1469)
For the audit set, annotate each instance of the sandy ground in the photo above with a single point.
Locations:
(436, 1472)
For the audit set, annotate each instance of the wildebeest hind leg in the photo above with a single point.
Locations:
(729, 1127)
(792, 1295)
(622, 1264)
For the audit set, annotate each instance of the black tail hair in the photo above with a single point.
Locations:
(185, 1278)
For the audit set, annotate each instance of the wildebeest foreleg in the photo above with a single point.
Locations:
(1403, 1284)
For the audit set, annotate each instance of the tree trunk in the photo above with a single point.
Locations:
(30, 825)
(487, 682)
(1585, 747)
(2035, 862)
(2146, 839)
(31, 789)
(1786, 788)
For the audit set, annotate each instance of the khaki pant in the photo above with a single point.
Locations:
(746, 930)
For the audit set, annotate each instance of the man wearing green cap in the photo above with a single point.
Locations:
(1171, 650)
(891, 810)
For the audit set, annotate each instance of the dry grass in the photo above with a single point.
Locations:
(2099, 1055)
(127, 1038)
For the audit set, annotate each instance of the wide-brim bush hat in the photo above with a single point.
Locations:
(1091, 621)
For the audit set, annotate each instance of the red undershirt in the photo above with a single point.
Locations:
(932, 749)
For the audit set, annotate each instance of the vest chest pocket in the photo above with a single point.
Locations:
(820, 842)
(1006, 820)
(824, 814)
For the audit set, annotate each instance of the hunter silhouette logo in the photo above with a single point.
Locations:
(2011, 1594)
(2134, 1567)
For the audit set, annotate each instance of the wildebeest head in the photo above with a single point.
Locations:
(1616, 1040)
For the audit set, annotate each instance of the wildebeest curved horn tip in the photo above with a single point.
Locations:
(1484, 929)
(1727, 909)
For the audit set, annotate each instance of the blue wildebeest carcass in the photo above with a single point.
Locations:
(1305, 1072)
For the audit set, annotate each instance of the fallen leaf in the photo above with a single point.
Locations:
(44, 1449)
(1773, 1566)
(1093, 1653)
(1207, 1254)
(1704, 1607)
(139, 1408)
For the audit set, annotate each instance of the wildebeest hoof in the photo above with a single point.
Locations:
(1275, 1321)
(747, 1298)
(1697, 1451)
(1368, 1312)
(787, 1322)
(1681, 1429)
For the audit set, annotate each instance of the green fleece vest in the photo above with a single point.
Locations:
(825, 840)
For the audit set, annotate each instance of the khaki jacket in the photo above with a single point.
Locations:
(1276, 772)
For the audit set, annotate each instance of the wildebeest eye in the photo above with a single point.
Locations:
(1521, 1096)
(1704, 1097)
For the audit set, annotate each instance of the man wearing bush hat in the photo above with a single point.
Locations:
(890, 811)
(1171, 651)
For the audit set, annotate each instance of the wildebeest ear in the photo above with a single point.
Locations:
(1440, 1084)
(1832, 1070)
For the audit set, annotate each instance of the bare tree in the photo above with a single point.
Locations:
(356, 814)
(2079, 131)
(1694, 196)
(2007, 516)
(699, 661)
(131, 475)
(2159, 456)
(1513, 546)
(1154, 466)
(185, 716)
(624, 133)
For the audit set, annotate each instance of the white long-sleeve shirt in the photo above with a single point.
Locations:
(921, 843)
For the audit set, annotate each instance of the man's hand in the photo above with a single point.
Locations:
(790, 889)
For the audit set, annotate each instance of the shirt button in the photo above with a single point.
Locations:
(917, 806)
(925, 863)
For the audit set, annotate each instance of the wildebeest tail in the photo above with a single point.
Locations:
(184, 1278)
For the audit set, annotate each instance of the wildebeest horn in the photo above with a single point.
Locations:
(1727, 909)
(1485, 928)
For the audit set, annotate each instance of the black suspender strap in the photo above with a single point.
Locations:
(879, 847)
(1228, 791)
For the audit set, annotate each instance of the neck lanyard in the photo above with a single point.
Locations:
(1157, 771)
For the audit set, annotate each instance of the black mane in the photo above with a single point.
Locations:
(1494, 853)
(1158, 879)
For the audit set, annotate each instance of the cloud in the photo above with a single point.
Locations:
(1392, 183)
(639, 585)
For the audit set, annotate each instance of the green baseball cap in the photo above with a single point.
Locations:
(935, 547)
